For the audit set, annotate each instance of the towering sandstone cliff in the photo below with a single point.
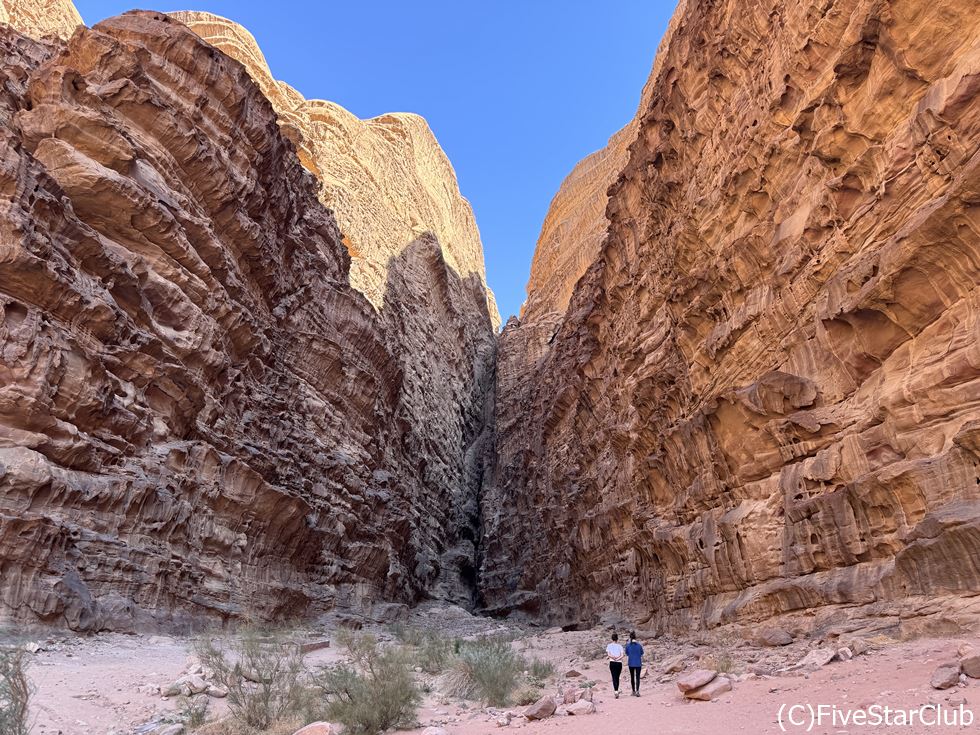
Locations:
(764, 395)
(199, 416)
(386, 178)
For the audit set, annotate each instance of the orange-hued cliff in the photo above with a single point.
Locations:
(249, 361)
(763, 397)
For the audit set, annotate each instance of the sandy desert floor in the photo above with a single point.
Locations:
(109, 685)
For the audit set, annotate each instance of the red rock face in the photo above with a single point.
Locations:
(763, 397)
(198, 416)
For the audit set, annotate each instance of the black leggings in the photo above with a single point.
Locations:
(635, 677)
(615, 668)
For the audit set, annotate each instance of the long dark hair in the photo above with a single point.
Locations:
(632, 636)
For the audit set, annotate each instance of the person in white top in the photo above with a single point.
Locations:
(616, 655)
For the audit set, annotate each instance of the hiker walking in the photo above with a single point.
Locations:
(634, 658)
(616, 654)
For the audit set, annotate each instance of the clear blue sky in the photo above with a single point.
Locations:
(516, 91)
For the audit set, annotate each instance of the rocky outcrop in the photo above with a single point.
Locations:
(387, 179)
(763, 397)
(199, 416)
(38, 18)
(575, 223)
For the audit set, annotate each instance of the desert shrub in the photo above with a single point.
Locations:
(193, 711)
(527, 695)
(407, 634)
(539, 671)
(720, 661)
(434, 653)
(262, 672)
(488, 670)
(373, 693)
(15, 692)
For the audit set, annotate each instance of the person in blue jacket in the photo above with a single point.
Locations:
(634, 659)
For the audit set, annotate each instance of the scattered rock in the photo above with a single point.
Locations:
(946, 676)
(970, 666)
(432, 731)
(774, 637)
(571, 674)
(711, 690)
(844, 654)
(581, 707)
(217, 691)
(695, 679)
(544, 707)
(313, 646)
(317, 728)
(816, 659)
(674, 663)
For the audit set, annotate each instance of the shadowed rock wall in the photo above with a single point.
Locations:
(199, 416)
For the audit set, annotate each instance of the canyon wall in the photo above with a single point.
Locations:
(38, 18)
(387, 179)
(200, 417)
(763, 398)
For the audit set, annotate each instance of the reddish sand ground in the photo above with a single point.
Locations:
(103, 686)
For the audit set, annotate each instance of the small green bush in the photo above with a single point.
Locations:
(434, 653)
(488, 670)
(373, 693)
(262, 672)
(540, 671)
(15, 692)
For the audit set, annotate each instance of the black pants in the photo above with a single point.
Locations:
(635, 677)
(615, 668)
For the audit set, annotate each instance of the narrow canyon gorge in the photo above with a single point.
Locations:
(250, 366)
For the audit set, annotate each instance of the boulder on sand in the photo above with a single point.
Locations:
(711, 690)
(544, 707)
(581, 707)
(695, 679)
(946, 676)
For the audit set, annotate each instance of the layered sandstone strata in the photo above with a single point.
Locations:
(39, 18)
(199, 416)
(764, 397)
(575, 223)
(387, 179)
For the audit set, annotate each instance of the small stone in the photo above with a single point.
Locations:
(816, 659)
(581, 707)
(970, 665)
(844, 654)
(571, 674)
(217, 691)
(695, 679)
(544, 707)
(945, 676)
(434, 731)
(673, 664)
(774, 637)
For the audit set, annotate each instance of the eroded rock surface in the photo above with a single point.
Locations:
(39, 18)
(199, 416)
(387, 179)
(764, 396)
